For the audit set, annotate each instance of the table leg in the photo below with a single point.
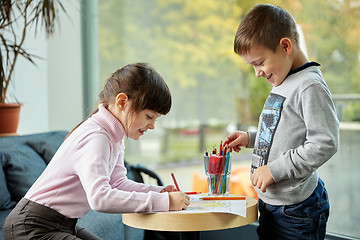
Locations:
(190, 235)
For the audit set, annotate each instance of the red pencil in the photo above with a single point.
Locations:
(176, 185)
(223, 198)
(192, 193)
(221, 148)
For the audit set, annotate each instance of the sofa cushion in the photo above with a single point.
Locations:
(5, 197)
(47, 146)
(21, 166)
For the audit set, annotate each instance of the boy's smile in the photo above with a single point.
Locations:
(274, 66)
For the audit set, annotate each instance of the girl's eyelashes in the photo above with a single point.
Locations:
(149, 117)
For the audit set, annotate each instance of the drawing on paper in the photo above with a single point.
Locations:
(237, 207)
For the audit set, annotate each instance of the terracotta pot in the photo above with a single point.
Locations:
(9, 118)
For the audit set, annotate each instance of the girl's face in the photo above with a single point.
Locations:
(135, 123)
(140, 122)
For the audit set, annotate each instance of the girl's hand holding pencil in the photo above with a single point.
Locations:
(169, 188)
(178, 201)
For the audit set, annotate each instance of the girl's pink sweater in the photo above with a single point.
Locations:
(87, 172)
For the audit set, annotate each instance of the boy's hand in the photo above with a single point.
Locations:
(261, 178)
(169, 188)
(237, 140)
(178, 201)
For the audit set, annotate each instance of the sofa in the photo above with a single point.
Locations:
(23, 158)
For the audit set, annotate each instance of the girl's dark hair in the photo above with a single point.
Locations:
(142, 84)
(265, 25)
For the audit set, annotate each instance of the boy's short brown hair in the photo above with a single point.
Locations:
(265, 25)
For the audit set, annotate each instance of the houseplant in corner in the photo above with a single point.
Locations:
(17, 18)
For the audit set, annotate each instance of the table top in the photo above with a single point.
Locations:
(206, 221)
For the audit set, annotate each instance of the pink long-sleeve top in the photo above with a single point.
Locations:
(88, 172)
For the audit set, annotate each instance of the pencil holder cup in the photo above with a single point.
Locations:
(217, 170)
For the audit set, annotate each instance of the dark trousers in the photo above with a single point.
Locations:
(30, 220)
(304, 220)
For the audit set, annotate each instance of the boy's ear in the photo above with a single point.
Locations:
(121, 100)
(286, 45)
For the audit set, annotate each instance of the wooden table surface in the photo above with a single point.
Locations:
(182, 222)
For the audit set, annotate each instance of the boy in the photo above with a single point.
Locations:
(297, 132)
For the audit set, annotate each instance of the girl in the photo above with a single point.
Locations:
(87, 172)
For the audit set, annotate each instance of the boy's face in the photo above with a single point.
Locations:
(274, 66)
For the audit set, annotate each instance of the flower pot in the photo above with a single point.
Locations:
(9, 118)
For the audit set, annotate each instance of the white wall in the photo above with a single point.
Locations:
(51, 91)
(65, 72)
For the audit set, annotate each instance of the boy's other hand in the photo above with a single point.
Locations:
(237, 140)
(261, 178)
(178, 201)
(169, 188)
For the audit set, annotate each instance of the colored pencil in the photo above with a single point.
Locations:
(175, 182)
(223, 198)
(226, 168)
(221, 149)
(192, 193)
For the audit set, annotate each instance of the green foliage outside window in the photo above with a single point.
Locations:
(191, 44)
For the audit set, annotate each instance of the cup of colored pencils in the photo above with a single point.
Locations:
(217, 166)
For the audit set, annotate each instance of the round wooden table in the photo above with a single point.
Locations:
(190, 224)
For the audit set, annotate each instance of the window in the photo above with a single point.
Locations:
(190, 43)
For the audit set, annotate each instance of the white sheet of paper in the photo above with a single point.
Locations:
(237, 207)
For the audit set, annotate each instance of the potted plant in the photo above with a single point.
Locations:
(17, 17)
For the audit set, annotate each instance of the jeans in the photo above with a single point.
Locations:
(304, 220)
